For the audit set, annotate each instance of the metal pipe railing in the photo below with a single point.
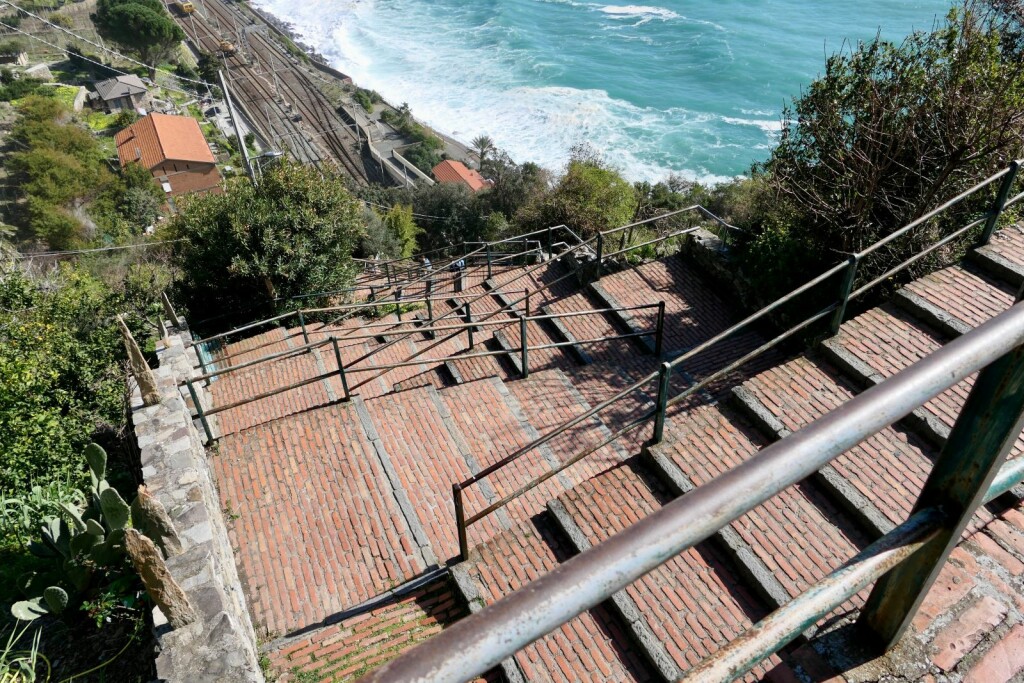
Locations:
(837, 309)
(474, 645)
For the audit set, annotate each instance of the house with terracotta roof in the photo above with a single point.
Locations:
(175, 152)
(449, 171)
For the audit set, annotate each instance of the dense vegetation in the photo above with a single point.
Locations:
(70, 197)
(245, 252)
(141, 26)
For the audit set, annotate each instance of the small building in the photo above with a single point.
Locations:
(175, 152)
(122, 92)
(449, 171)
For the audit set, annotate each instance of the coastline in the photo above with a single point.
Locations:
(286, 30)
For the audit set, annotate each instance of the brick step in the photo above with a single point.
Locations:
(1003, 256)
(472, 369)
(875, 482)
(593, 646)
(244, 384)
(685, 609)
(416, 435)
(882, 341)
(956, 299)
(267, 342)
(509, 338)
(580, 328)
(783, 546)
(313, 516)
(359, 644)
(693, 312)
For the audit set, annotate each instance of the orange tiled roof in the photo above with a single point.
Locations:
(456, 172)
(160, 137)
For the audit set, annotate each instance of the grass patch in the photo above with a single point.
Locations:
(99, 122)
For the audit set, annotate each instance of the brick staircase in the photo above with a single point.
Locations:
(341, 510)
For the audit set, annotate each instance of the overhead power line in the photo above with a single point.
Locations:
(92, 251)
(99, 47)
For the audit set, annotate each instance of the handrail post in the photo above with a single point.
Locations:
(659, 337)
(199, 411)
(469, 320)
(341, 368)
(551, 252)
(525, 349)
(430, 307)
(984, 433)
(526, 301)
(302, 324)
(489, 261)
(460, 522)
(849, 275)
(202, 363)
(398, 303)
(600, 253)
(664, 376)
(999, 204)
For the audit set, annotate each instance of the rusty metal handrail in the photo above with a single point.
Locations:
(663, 376)
(477, 643)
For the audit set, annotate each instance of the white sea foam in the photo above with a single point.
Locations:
(662, 93)
(642, 12)
(772, 126)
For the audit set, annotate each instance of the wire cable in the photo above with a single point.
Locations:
(104, 47)
(74, 252)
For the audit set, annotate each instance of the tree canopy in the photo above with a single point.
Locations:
(142, 26)
(889, 131)
(246, 249)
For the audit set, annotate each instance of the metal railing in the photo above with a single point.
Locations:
(203, 414)
(968, 472)
(661, 379)
(344, 370)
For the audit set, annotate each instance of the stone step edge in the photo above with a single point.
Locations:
(561, 333)
(419, 536)
(512, 353)
(755, 572)
(462, 446)
(467, 589)
(930, 314)
(625, 319)
(995, 264)
(929, 427)
(623, 605)
(862, 511)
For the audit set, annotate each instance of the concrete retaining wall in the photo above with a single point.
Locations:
(221, 645)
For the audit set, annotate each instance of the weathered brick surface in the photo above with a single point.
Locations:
(693, 312)
(1004, 662)
(312, 516)
(887, 340)
(592, 327)
(263, 343)
(355, 646)
(244, 384)
(964, 294)
(548, 400)
(1008, 245)
(492, 432)
(888, 468)
(798, 534)
(591, 646)
(693, 603)
(967, 630)
(428, 460)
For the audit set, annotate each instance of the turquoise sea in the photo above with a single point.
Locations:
(685, 86)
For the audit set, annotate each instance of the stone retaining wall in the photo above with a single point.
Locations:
(221, 644)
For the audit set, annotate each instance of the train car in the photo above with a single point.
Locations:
(184, 7)
(227, 47)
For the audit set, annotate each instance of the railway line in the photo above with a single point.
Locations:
(281, 101)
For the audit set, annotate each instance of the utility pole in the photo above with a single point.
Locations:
(234, 122)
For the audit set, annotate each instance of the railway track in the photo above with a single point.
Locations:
(282, 103)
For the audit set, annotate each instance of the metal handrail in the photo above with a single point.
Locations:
(344, 370)
(477, 643)
(662, 377)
